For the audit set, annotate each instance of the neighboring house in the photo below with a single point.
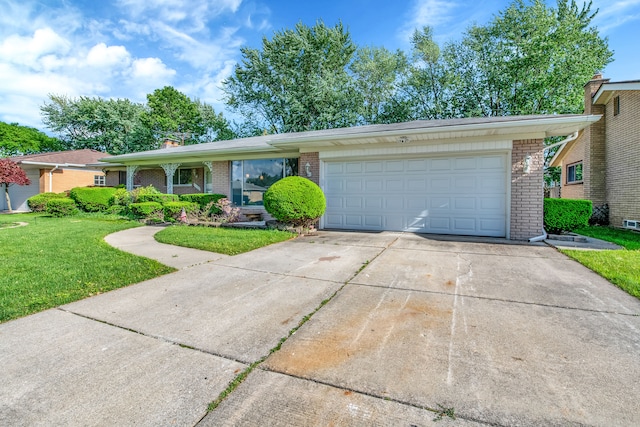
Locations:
(603, 163)
(474, 176)
(54, 172)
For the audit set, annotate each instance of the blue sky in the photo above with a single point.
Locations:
(128, 48)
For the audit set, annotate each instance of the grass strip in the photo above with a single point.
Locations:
(55, 261)
(228, 241)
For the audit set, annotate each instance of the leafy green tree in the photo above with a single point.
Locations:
(530, 59)
(216, 127)
(16, 140)
(171, 114)
(110, 125)
(377, 74)
(298, 81)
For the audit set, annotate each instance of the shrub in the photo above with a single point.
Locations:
(61, 207)
(203, 199)
(38, 203)
(227, 212)
(148, 210)
(566, 214)
(92, 199)
(173, 210)
(158, 198)
(295, 200)
(137, 192)
(117, 210)
(121, 197)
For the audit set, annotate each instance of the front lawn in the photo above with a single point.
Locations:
(622, 267)
(54, 261)
(229, 241)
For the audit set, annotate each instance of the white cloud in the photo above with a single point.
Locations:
(432, 13)
(103, 56)
(28, 50)
(612, 14)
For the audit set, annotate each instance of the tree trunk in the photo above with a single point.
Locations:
(6, 194)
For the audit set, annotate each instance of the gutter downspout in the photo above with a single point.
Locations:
(540, 238)
(51, 177)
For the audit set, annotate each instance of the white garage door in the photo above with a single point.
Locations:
(464, 195)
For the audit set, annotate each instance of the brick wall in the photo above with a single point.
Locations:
(594, 159)
(623, 158)
(221, 178)
(573, 191)
(112, 179)
(155, 177)
(314, 166)
(66, 179)
(526, 189)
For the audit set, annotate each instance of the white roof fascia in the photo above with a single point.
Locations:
(603, 95)
(60, 165)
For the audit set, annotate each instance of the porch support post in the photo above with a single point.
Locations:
(209, 165)
(170, 170)
(131, 172)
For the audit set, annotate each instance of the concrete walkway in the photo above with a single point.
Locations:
(402, 328)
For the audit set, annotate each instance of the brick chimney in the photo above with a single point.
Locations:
(169, 143)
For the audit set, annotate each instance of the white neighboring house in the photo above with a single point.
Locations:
(54, 172)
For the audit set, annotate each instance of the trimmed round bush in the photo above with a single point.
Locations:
(147, 210)
(173, 210)
(295, 200)
(38, 203)
(159, 197)
(92, 199)
(61, 207)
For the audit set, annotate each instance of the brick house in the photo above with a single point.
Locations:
(603, 163)
(54, 172)
(473, 176)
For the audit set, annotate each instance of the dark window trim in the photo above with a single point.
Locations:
(575, 181)
(616, 105)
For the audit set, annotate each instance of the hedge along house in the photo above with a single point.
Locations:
(473, 176)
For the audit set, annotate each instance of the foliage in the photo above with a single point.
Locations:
(151, 211)
(298, 81)
(16, 140)
(92, 199)
(120, 197)
(519, 62)
(223, 210)
(113, 126)
(55, 261)
(142, 191)
(566, 214)
(295, 200)
(38, 203)
(204, 199)
(215, 126)
(59, 207)
(11, 173)
(173, 210)
(229, 241)
(157, 197)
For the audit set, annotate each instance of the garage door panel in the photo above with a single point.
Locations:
(446, 195)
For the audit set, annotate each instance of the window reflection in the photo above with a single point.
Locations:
(250, 179)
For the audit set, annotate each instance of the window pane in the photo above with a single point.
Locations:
(291, 167)
(571, 173)
(579, 172)
(236, 182)
(259, 175)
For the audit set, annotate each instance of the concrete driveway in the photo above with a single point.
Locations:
(401, 328)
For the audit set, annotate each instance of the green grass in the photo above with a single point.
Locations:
(54, 261)
(621, 267)
(229, 241)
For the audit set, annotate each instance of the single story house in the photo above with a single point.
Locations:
(602, 163)
(54, 172)
(473, 176)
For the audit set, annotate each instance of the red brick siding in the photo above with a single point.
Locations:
(526, 189)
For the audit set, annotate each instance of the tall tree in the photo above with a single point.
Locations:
(110, 125)
(298, 81)
(16, 140)
(216, 127)
(377, 74)
(11, 173)
(172, 114)
(530, 59)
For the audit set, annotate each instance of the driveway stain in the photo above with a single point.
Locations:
(328, 258)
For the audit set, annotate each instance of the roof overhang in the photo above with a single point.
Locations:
(443, 131)
(606, 91)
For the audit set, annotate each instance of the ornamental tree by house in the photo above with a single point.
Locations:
(11, 173)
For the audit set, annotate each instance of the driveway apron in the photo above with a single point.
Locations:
(375, 329)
